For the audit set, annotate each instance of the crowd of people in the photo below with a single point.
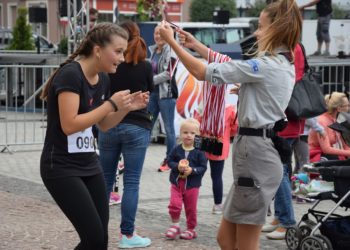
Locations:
(109, 84)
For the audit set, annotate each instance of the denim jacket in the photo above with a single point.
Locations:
(197, 161)
(163, 77)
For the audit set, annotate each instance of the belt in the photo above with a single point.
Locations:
(262, 132)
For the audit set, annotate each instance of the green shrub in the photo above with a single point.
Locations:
(22, 33)
(63, 46)
(202, 10)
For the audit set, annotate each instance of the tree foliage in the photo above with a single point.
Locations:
(149, 10)
(254, 10)
(22, 33)
(338, 13)
(202, 10)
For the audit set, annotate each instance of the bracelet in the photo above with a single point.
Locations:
(113, 104)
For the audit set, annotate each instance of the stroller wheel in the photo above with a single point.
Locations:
(327, 245)
(313, 243)
(304, 231)
(293, 238)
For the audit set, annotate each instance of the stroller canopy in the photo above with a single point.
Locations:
(342, 125)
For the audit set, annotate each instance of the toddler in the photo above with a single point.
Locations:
(188, 166)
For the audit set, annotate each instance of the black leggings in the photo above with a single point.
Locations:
(83, 200)
(216, 169)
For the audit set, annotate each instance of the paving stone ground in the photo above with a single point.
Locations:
(30, 220)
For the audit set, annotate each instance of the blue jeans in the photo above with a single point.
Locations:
(284, 211)
(166, 107)
(131, 141)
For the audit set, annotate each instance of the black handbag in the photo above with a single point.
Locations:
(307, 100)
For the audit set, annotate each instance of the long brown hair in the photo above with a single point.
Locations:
(137, 49)
(285, 27)
(99, 35)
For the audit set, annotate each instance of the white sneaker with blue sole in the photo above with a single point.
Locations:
(134, 242)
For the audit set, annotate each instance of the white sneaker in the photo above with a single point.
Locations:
(267, 228)
(276, 235)
(217, 209)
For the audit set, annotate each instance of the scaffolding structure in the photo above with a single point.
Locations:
(78, 22)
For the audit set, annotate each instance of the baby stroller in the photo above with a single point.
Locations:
(326, 230)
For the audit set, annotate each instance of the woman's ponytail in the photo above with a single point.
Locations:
(285, 28)
(137, 49)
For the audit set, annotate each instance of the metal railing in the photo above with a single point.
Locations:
(335, 76)
(23, 114)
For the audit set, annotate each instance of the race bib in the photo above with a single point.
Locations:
(81, 142)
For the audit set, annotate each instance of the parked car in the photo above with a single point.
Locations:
(206, 32)
(46, 46)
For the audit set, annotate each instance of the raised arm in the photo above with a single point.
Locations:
(187, 40)
(195, 66)
(218, 73)
(309, 4)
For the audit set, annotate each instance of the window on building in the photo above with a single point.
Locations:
(12, 16)
(105, 17)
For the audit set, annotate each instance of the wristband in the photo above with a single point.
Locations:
(113, 104)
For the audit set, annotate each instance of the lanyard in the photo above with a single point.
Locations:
(173, 68)
(213, 121)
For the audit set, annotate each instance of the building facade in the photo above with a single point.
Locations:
(107, 8)
(56, 26)
(50, 29)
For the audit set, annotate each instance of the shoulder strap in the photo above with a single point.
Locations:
(288, 56)
(306, 64)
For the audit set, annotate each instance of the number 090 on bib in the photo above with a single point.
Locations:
(81, 142)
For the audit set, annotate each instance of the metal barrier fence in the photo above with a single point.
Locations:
(335, 76)
(23, 114)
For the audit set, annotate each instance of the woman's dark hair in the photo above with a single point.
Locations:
(99, 35)
(137, 49)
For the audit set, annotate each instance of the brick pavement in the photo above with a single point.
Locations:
(30, 219)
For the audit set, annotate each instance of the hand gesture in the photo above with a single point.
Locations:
(183, 164)
(186, 39)
(187, 172)
(122, 99)
(166, 32)
(139, 100)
